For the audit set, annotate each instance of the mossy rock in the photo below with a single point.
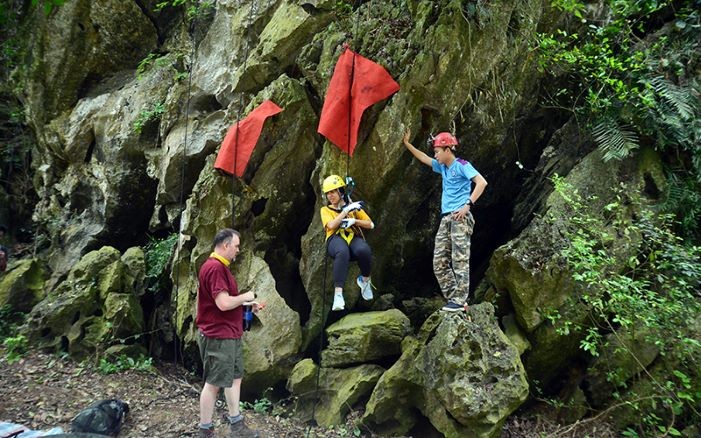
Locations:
(461, 372)
(338, 392)
(23, 286)
(365, 337)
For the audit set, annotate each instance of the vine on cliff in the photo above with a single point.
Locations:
(649, 297)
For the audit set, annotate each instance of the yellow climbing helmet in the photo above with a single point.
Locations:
(331, 183)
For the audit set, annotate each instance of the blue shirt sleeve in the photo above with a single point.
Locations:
(469, 171)
(435, 165)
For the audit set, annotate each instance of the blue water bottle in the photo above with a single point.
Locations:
(247, 317)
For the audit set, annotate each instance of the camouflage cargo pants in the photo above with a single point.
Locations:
(451, 257)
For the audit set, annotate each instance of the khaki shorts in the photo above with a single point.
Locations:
(222, 360)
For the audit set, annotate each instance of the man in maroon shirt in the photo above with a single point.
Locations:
(220, 324)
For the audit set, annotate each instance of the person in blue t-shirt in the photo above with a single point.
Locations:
(451, 256)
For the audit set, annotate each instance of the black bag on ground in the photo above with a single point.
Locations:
(103, 417)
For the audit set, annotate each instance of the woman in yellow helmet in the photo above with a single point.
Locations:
(344, 239)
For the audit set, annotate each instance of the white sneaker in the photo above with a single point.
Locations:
(338, 303)
(365, 288)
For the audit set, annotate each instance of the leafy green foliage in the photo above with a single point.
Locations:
(48, 5)
(145, 116)
(16, 141)
(684, 198)
(158, 254)
(261, 406)
(615, 141)
(124, 362)
(637, 277)
(9, 320)
(634, 82)
(193, 9)
(343, 8)
(15, 347)
(15, 344)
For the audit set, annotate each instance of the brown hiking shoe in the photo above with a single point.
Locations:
(206, 433)
(240, 430)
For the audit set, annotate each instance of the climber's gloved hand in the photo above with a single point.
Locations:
(353, 206)
(345, 223)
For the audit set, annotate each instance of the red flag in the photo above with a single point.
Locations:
(356, 84)
(248, 132)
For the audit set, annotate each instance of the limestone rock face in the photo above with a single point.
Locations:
(80, 43)
(273, 342)
(460, 371)
(95, 189)
(338, 392)
(365, 337)
(23, 285)
(279, 31)
(514, 333)
(94, 307)
(532, 273)
(440, 58)
(126, 151)
(270, 183)
(274, 186)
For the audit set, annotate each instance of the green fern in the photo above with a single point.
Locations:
(615, 140)
(684, 200)
(678, 98)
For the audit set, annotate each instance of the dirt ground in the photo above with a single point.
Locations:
(42, 391)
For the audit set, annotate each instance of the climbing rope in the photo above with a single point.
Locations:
(326, 258)
(181, 199)
(249, 25)
(321, 340)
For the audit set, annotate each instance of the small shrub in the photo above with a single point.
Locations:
(649, 290)
(49, 5)
(146, 116)
(262, 405)
(158, 254)
(9, 320)
(16, 347)
(193, 9)
(124, 362)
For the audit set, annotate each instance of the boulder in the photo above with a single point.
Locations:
(273, 342)
(94, 307)
(23, 285)
(515, 334)
(461, 372)
(365, 337)
(339, 390)
(135, 262)
(674, 376)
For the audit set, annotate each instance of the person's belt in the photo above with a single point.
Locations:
(445, 214)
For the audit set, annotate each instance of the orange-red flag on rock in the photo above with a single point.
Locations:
(356, 84)
(246, 132)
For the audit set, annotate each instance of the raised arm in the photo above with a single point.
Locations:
(421, 156)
